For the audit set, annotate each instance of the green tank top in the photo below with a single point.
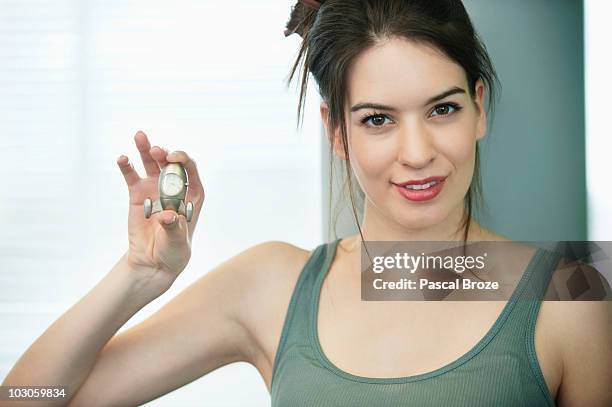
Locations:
(500, 370)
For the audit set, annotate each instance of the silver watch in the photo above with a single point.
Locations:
(172, 187)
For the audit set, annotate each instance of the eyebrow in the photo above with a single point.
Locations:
(446, 93)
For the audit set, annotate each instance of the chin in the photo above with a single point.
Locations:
(422, 219)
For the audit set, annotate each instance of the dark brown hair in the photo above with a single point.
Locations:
(339, 30)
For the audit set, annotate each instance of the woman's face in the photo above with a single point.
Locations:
(409, 117)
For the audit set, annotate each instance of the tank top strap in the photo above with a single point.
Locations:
(524, 302)
(531, 301)
(296, 326)
(516, 334)
(541, 269)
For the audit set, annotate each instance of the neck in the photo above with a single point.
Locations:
(377, 227)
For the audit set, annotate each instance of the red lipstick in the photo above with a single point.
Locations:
(422, 194)
(421, 181)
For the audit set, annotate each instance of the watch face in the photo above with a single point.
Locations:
(172, 184)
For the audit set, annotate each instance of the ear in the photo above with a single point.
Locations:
(481, 126)
(334, 137)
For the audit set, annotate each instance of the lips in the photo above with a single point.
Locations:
(421, 181)
(419, 195)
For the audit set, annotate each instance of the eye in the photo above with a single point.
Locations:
(376, 120)
(445, 109)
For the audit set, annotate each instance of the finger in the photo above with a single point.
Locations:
(190, 166)
(127, 169)
(159, 155)
(167, 217)
(143, 145)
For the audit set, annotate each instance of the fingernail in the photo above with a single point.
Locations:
(168, 222)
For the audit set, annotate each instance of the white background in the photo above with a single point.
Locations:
(598, 85)
(77, 80)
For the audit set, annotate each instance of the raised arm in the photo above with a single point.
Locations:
(159, 249)
(200, 330)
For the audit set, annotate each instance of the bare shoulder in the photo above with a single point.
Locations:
(266, 267)
(275, 255)
(574, 280)
(573, 331)
(266, 275)
(577, 321)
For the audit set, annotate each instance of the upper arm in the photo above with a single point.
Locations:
(586, 334)
(201, 329)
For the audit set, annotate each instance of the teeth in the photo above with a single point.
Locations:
(424, 186)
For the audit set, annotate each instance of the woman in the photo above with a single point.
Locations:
(404, 85)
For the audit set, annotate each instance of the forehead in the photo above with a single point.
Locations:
(402, 73)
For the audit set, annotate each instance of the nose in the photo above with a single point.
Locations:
(415, 146)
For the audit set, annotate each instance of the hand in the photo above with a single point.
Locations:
(159, 247)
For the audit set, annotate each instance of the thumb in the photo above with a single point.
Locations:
(169, 220)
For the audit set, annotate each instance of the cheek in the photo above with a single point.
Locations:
(370, 157)
(458, 144)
